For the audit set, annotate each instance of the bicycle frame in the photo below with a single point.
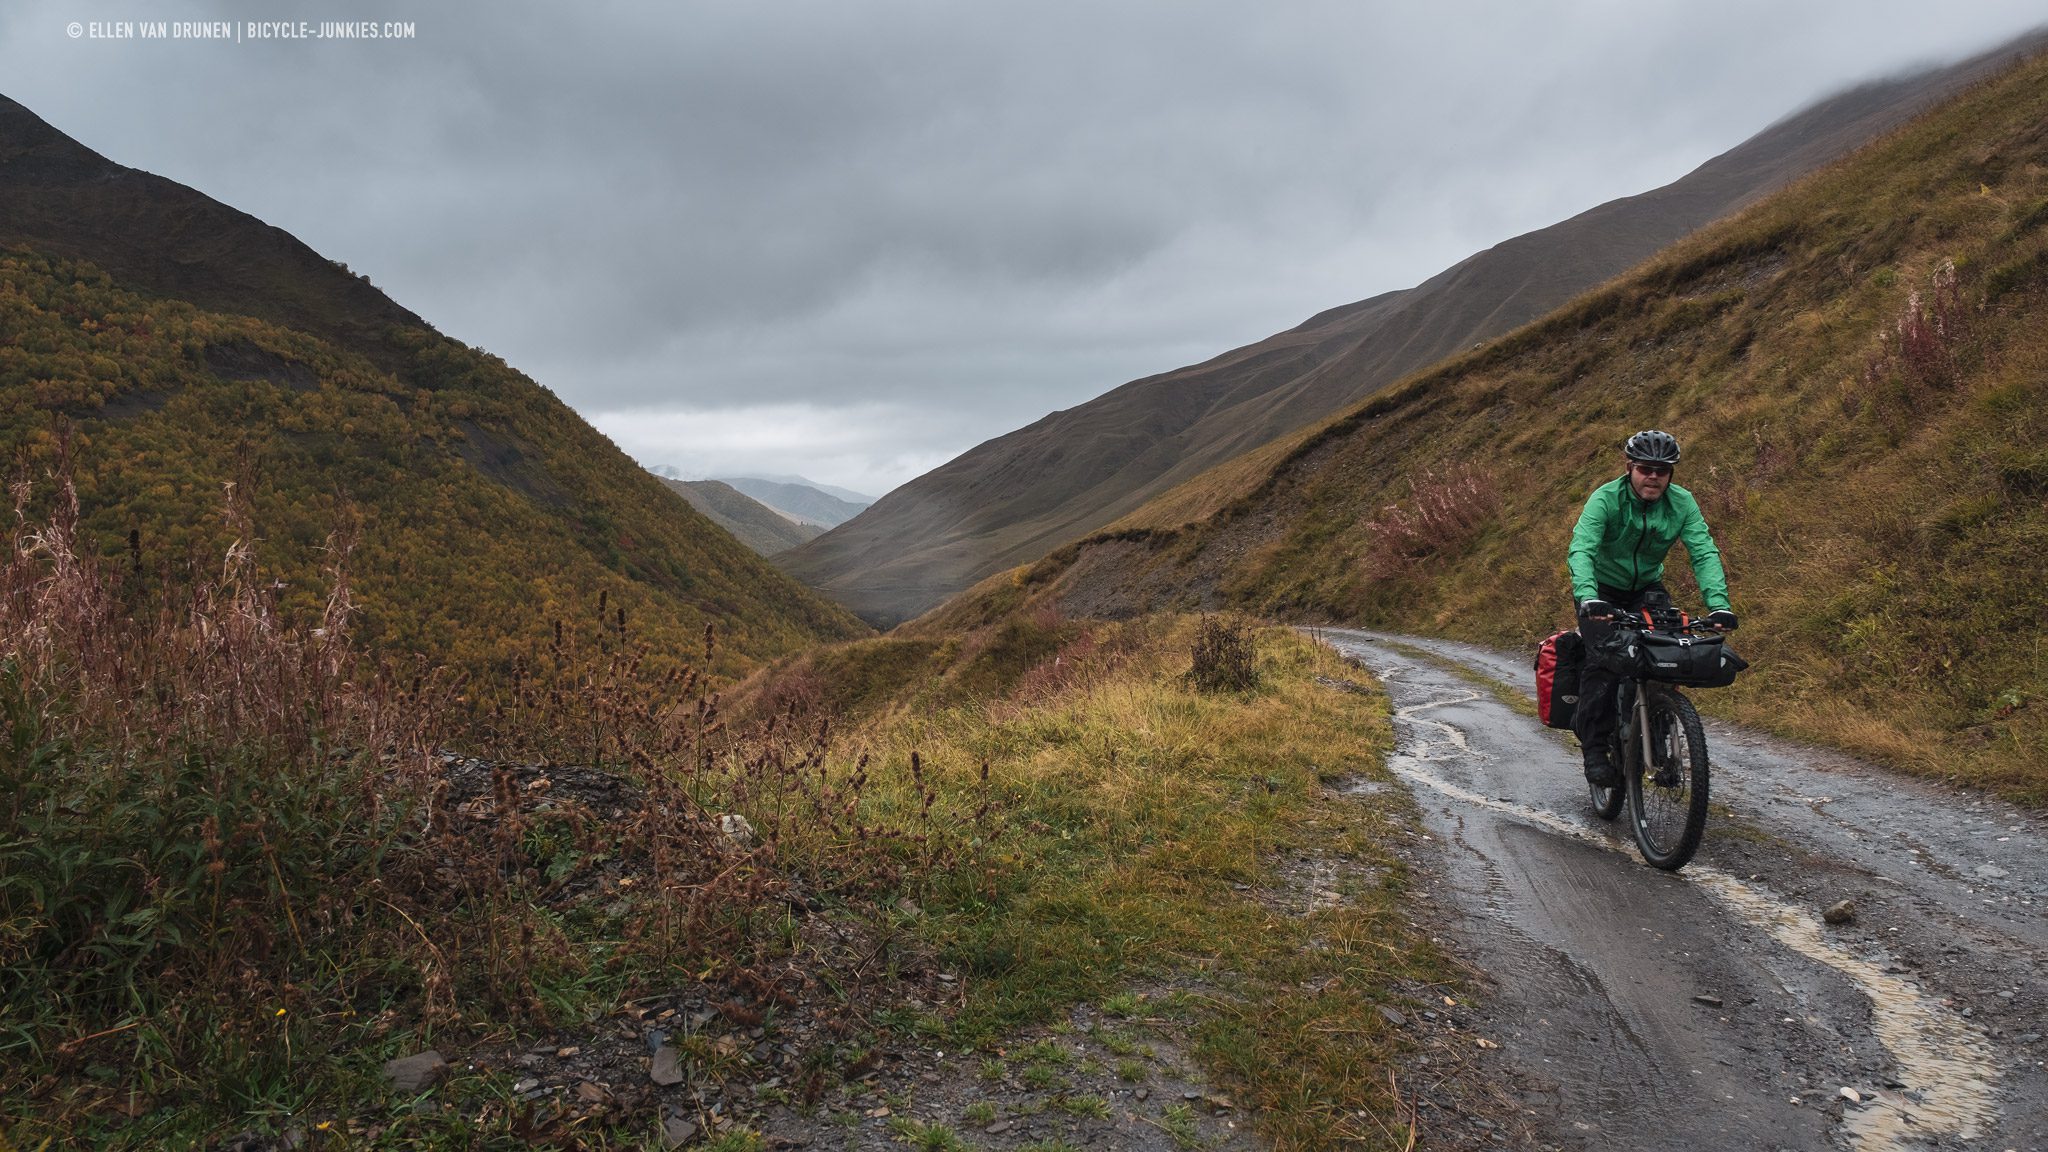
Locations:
(1660, 748)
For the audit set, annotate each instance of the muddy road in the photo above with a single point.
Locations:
(1713, 1009)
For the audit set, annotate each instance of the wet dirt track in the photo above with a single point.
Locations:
(1712, 1009)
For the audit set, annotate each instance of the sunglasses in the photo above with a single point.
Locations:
(1652, 469)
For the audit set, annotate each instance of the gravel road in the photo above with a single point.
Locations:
(1713, 1008)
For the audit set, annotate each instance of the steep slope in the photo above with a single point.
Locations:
(1012, 499)
(61, 199)
(190, 345)
(1858, 369)
(798, 501)
(751, 522)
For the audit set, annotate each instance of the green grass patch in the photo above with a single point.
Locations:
(926, 1137)
(1089, 1107)
(1143, 817)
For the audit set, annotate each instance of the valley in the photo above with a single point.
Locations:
(388, 760)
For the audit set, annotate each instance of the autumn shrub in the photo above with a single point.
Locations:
(1225, 656)
(200, 802)
(1921, 352)
(1444, 512)
(1929, 331)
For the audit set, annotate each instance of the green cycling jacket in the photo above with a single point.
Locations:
(1621, 542)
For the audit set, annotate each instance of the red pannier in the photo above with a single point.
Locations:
(1558, 662)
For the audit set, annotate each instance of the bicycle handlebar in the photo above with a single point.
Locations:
(1635, 620)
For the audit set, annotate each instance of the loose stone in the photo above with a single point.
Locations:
(416, 1073)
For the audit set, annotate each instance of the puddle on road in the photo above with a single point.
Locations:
(1942, 1060)
(1946, 1065)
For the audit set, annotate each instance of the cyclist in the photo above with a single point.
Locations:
(1617, 565)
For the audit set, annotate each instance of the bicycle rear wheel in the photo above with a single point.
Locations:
(1668, 795)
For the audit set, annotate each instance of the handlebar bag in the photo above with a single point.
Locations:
(1559, 660)
(1698, 661)
(1616, 652)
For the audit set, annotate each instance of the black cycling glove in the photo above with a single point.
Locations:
(1597, 609)
(1722, 619)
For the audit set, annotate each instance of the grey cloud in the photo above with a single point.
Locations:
(989, 210)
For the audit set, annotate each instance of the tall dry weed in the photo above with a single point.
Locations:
(1920, 352)
(1444, 512)
(241, 839)
(1225, 655)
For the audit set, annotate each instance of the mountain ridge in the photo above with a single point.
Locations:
(751, 522)
(173, 241)
(186, 345)
(1018, 496)
(800, 500)
(832, 490)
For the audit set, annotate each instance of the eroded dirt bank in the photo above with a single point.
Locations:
(1714, 1009)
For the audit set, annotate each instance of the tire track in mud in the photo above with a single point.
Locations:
(1945, 1082)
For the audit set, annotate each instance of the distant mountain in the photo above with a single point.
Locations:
(191, 345)
(1014, 498)
(801, 500)
(753, 523)
(846, 494)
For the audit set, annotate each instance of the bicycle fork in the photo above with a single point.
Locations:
(1635, 730)
(1642, 724)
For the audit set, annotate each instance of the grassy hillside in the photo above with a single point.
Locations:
(486, 510)
(190, 345)
(1858, 369)
(751, 522)
(1012, 499)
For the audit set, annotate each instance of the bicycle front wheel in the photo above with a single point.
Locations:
(1668, 792)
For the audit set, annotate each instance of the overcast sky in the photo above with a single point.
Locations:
(852, 239)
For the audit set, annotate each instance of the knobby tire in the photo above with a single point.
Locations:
(1668, 796)
(1607, 801)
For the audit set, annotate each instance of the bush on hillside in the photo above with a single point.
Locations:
(1923, 345)
(1225, 656)
(1443, 513)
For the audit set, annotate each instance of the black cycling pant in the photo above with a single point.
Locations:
(1593, 718)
